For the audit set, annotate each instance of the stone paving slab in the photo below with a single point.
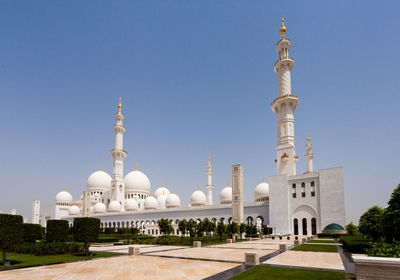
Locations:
(144, 248)
(308, 259)
(121, 268)
(208, 253)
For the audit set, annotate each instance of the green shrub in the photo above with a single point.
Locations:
(32, 232)
(56, 230)
(370, 223)
(42, 248)
(107, 239)
(381, 249)
(330, 235)
(86, 230)
(109, 230)
(11, 232)
(355, 244)
(391, 217)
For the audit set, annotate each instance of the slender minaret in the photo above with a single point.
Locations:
(118, 153)
(309, 156)
(284, 106)
(209, 187)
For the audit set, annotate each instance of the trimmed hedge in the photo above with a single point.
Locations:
(86, 230)
(56, 230)
(331, 235)
(49, 248)
(107, 240)
(11, 232)
(32, 232)
(355, 244)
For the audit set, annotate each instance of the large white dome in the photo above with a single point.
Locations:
(99, 180)
(150, 203)
(172, 201)
(131, 204)
(74, 210)
(114, 206)
(261, 192)
(137, 181)
(99, 207)
(161, 201)
(198, 198)
(160, 191)
(64, 197)
(225, 196)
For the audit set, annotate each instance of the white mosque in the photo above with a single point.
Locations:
(290, 203)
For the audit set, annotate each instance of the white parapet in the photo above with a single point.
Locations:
(368, 268)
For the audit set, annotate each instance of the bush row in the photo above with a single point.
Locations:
(49, 248)
(355, 244)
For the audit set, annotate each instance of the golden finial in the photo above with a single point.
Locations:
(209, 157)
(65, 189)
(263, 180)
(282, 31)
(227, 185)
(198, 188)
(101, 167)
(308, 139)
(137, 167)
(119, 104)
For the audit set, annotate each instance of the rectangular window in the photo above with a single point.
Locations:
(303, 194)
(312, 193)
(294, 195)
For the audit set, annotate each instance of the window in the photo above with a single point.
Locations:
(312, 188)
(303, 189)
(296, 227)
(304, 226)
(294, 195)
(303, 194)
(313, 226)
(294, 190)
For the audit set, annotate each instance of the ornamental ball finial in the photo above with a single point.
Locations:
(263, 180)
(209, 157)
(282, 31)
(308, 139)
(101, 167)
(137, 167)
(119, 104)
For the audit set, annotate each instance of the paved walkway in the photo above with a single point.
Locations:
(179, 262)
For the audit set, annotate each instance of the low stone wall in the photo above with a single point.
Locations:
(372, 268)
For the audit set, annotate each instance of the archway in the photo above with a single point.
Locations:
(296, 226)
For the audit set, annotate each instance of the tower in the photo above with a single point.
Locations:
(237, 194)
(119, 154)
(284, 106)
(309, 156)
(36, 212)
(209, 187)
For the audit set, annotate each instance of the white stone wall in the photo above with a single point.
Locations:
(332, 196)
(279, 204)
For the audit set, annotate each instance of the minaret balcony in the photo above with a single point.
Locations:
(284, 98)
(284, 61)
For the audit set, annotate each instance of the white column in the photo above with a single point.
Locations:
(309, 156)
(209, 187)
(36, 212)
(284, 106)
(119, 154)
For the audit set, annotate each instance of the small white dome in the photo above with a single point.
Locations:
(99, 207)
(225, 196)
(99, 180)
(172, 201)
(261, 192)
(137, 181)
(160, 191)
(131, 204)
(74, 210)
(114, 206)
(161, 201)
(64, 197)
(198, 198)
(150, 203)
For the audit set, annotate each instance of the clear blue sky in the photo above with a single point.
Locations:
(196, 77)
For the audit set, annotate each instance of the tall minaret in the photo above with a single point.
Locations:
(309, 156)
(118, 153)
(209, 187)
(283, 106)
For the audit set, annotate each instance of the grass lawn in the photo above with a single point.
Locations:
(316, 248)
(321, 241)
(281, 273)
(23, 260)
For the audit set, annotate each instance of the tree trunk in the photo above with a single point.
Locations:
(86, 249)
(4, 257)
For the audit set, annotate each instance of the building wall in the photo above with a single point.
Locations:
(332, 196)
(279, 204)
